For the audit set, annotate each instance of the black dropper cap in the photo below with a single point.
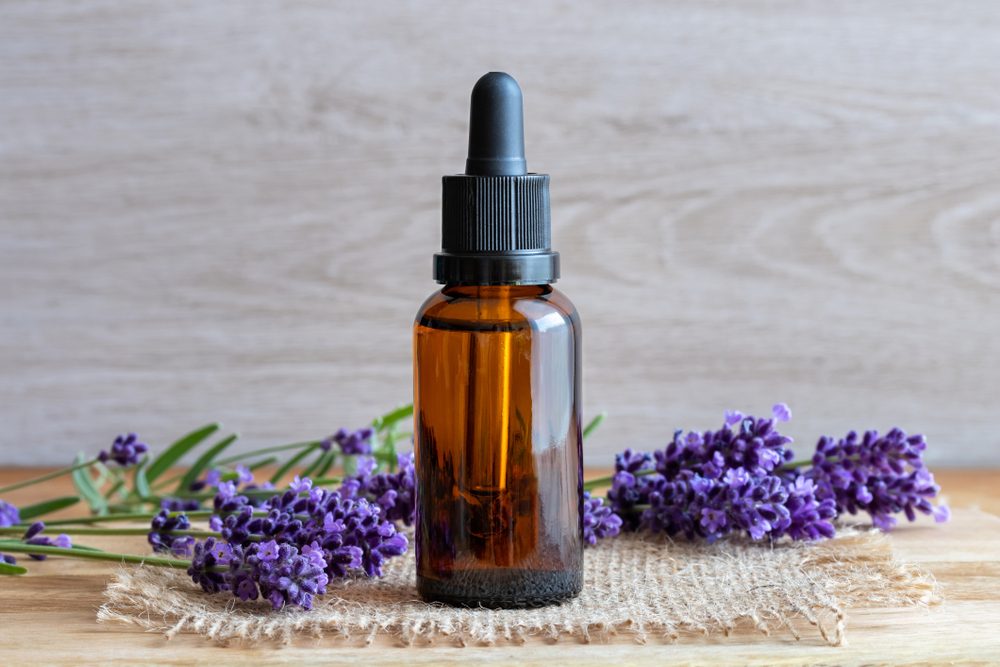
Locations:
(495, 223)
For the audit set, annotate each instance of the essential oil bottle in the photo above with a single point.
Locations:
(497, 384)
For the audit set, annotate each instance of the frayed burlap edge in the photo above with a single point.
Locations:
(640, 586)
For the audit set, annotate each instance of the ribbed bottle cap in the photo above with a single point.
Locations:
(495, 222)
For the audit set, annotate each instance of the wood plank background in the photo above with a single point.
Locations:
(227, 210)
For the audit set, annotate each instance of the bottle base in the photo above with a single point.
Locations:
(502, 588)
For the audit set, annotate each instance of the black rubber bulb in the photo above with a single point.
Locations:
(496, 128)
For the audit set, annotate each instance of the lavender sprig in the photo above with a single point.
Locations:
(126, 451)
(33, 536)
(741, 478)
(879, 475)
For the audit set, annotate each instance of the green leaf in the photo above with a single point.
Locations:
(13, 570)
(257, 465)
(141, 480)
(318, 463)
(84, 547)
(174, 452)
(390, 418)
(85, 485)
(390, 448)
(594, 423)
(205, 460)
(291, 463)
(326, 465)
(47, 507)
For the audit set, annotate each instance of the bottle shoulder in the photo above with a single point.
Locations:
(539, 307)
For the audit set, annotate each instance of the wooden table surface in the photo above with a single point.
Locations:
(48, 615)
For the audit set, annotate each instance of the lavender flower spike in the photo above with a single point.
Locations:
(125, 451)
(881, 475)
(351, 442)
(161, 539)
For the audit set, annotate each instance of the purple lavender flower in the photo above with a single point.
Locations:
(351, 442)
(9, 514)
(207, 562)
(714, 483)
(394, 492)
(692, 505)
(213, 477)
(781, 412)
(32, 536)
(243, 474)
(880, 475)
(811, 517)
(300, 485)
(161, 539)
(279, 574)
(631, 485)
(713, 520)
(287, 551)
(753, 444)
(125, 451)
(599, 521)
(733, 417)
(353, 532)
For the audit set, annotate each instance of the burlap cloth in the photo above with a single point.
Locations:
(645, 587)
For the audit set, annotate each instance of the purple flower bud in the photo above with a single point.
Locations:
(179, 504)
(161, 539)
(33, 536)
(125, 451)
(9, 514)
(352, 442)
(599, 520)
(300, 485)
(781, 412)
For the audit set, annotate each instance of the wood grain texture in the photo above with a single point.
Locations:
(227, 210)
(48, 615)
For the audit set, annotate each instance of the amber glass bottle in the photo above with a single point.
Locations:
(497, 385)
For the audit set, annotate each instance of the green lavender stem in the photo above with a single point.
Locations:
(236, 458)
(21, 547)
(598, 482)
(268, 450)
(594, 423)
(48, 476)
(117, 531)
(134, 516)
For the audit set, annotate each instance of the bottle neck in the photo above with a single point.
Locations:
(456, 290)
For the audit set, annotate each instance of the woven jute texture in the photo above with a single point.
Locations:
(649, 588)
